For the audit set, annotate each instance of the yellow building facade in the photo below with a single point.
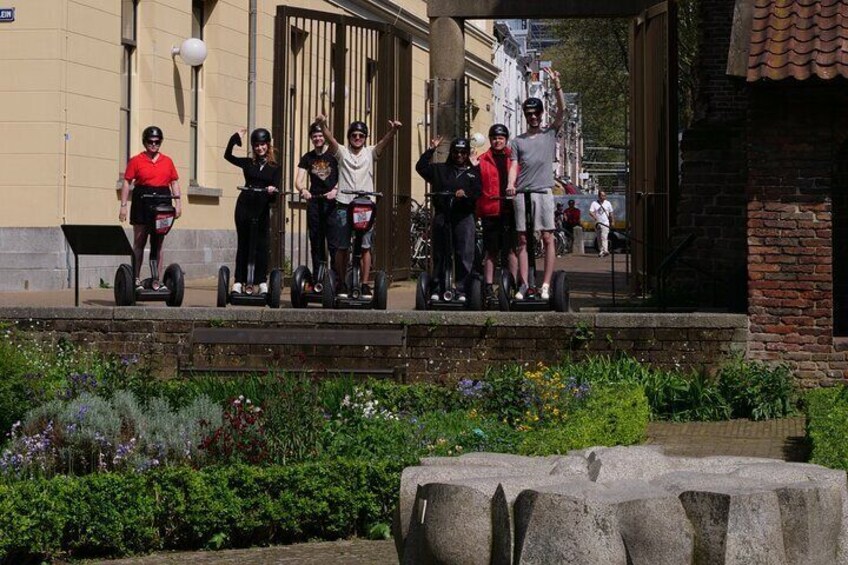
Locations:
(82, 78)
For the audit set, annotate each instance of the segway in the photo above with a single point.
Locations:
(449, 297)
(250, 295)
(532, 300)
(361, 214)
(172, 288)
(307, 288)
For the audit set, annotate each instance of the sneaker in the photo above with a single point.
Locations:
(237, 288)
(366, 291)
(138, 285)
(434, 297)
(343, 292)
(161, 288)
(460, 297)
(491, 297)
(521, 292)
(263, 288)
(546, 292)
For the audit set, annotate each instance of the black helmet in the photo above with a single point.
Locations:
(533, 105)
(498, 129)
(460, 143)
(151, 132)
(570, 202)
(357, 126)
(316, 128)
(260, 135)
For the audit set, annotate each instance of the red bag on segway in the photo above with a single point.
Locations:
(362, 214)
(164, 216)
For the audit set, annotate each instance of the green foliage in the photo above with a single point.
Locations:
(415, 399)
(610, 416)
(90, 433)
(757, 391)
(827, 426)
(111, 515)
(294, 418)
(506, 394)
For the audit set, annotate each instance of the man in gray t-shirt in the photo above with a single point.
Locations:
(531, 167)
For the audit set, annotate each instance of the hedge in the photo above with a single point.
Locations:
(110, 514)
(827, 426)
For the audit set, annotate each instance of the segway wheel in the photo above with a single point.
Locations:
(505, 291)
(561, 295)
(328, 295)
(124, 286)
(223, 286)
(422, 287)
(475, 295)
(175, 281)
(299, 279)
(275, 288)
(381, 291)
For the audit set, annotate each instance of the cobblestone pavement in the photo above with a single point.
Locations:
(778, 439)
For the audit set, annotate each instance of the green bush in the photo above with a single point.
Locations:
(416, 398)
(757, 391)
(610, 416)
(110, 515)
(827, 426)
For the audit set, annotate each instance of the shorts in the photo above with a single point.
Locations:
(341, 232)
(543, 211)
(141, 209)
(499, 232)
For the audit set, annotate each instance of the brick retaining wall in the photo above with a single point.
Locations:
(409, 345)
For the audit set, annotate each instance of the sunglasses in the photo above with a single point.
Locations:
(461, 151)
(532, 114)
(153, 142)
(357, 136)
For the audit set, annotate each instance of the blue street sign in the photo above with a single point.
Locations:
(7, 14)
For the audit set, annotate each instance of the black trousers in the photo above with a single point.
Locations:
(318, 213)
(464, 233)
(248, 211)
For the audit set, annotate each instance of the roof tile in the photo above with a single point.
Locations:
(798, 39)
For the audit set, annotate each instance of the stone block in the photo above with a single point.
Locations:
(736, 521)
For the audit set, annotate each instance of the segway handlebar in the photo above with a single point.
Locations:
(361, 193)
(531, 190)
(252, 188)
(440, 193)
(162, 196)
(296, 193)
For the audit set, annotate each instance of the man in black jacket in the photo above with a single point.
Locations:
(461, 177)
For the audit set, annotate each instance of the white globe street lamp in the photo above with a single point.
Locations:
(192, 51)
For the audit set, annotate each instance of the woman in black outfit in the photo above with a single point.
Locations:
(260, 171)
(460, 176)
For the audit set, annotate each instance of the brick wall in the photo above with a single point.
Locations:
(795, 133)
(433, 347)
(713, 173)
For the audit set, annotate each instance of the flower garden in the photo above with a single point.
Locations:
(99, 458)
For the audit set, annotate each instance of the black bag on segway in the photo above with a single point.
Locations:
(163, 218)
(362, 212)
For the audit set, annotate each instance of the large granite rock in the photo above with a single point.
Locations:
(626, 506)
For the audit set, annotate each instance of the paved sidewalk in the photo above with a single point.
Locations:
(779, 439)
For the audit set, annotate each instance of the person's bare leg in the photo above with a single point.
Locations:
(550, 256)
(139, 241)
(512, 262)
(489, 268)
(523, 262)
(366, 265)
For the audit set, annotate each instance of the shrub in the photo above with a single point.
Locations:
(827, 426)
(180, 508)
(91, 433)
(416, 398)
(609, 416)
(757, 391)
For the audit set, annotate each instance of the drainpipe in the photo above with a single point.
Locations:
(251, 66)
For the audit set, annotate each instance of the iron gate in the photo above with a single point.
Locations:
(348, 69)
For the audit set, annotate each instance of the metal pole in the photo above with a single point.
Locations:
(76, 279)
(251, 66)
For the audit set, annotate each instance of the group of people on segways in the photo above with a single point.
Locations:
(341, 212)
(510, 189)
